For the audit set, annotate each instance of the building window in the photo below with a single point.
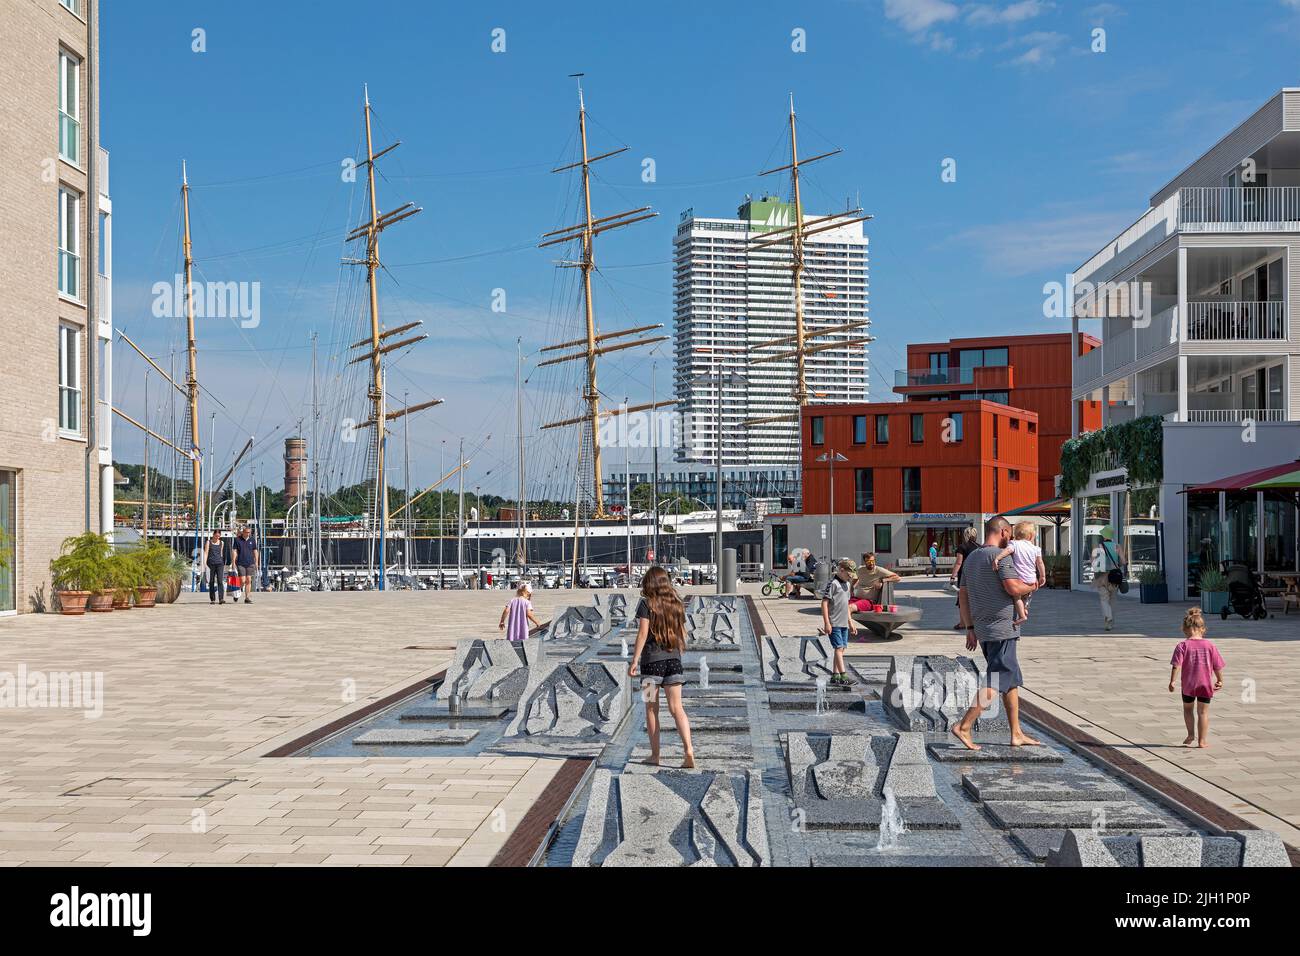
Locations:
(70, 379)
(1033, 427)
(1015, 424)
(780, 546)
(859, 429)
(884, 539)
(918, 428)
(69, 244)
(73, 5)
(956, 433)
(882, 429)
(818, 425)
(864, 498)
(1013, 474)
(911, 489)
(70, 108)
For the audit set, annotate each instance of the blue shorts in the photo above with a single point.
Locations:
(1003, 664)
(839, 638)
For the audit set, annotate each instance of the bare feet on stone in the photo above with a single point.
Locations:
(1024, 740)
(689, 762)
(1191, 739)
(964, 737)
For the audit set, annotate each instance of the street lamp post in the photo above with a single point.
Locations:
(832, 456)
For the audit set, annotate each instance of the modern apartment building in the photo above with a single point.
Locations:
(1197, 307)
(1024, 371)
(55, 375)
(730, 298)
(740, 486)
(906, 475)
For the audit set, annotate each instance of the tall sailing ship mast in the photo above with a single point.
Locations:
(590, 347)
(378, 343)
(795, 236)
(191, 390)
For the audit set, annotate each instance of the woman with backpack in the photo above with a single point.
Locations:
(1107, 574)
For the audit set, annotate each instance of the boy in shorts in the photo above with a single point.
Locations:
(836, 619)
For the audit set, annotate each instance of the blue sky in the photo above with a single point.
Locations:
(1057, 148)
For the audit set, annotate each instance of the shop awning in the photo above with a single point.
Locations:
(1288, 479)
(1048, 508)
(1250, 480)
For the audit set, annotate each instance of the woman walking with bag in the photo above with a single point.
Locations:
(1107, 574)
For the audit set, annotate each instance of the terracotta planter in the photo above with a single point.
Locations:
(73, 602)
(100, 602)
(168, 591)
(145, 597)
(121, 600)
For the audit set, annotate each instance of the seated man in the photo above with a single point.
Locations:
(802, 567)
(870, 584)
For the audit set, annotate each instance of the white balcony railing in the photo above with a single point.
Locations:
(1197, 209)
(101, 172)
(1233, 415)
(1087, 367)
(1216, 320)
(1239, 208)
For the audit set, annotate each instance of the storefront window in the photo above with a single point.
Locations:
(1096, 512)
(7, 549)
(1279, 531)
(1202, 536)
(1241, 544)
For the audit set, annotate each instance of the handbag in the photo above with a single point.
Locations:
(1116, 574)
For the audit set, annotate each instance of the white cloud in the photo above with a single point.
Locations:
(917, 16)
(986, 14)
(1038, 48)
(1058, 241)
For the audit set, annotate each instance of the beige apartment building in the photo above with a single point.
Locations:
(55, 295)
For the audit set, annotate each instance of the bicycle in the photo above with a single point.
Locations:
(774, 583)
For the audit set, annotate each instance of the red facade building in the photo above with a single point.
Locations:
(931, 457)
(1024, 371)
(979, 431)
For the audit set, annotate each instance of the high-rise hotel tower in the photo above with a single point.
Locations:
(731, 298)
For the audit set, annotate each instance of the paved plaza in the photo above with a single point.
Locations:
(175, 771)
(1114, 686)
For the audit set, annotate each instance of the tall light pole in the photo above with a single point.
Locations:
(442, 501)
(460, 520)
(732, 378)
(654, 454)
(832, 456)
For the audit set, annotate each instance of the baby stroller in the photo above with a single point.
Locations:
(1245, 596)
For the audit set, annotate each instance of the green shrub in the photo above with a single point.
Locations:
(1149, 576)
(1138, 447)
(1212, 580)
(82, 564)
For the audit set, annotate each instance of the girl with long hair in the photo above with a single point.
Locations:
(657, 659)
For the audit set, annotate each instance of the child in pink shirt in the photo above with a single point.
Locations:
(518, 614)
(1200, 661)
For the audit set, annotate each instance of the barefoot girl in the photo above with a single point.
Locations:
(657, 659)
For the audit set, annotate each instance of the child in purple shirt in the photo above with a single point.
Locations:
(518, 614)
(1200, 661)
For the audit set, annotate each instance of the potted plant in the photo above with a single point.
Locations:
(1152, 587)
(1214, 591)
(80, 573)
(154, 561)
(124, 576)
(170, 581)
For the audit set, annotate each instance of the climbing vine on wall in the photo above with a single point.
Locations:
(1136, 446)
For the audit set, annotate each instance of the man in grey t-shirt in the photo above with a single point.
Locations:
(988, 607)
